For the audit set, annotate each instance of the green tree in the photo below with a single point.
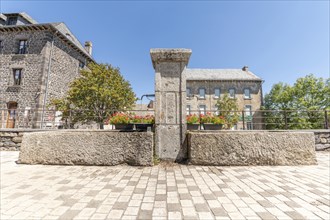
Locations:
(96, 94)
(228, 108)
(302, 103)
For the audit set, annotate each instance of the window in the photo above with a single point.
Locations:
(188, 109)
(201, 93)
(81, 64)
(247, 93)
(202, 109)
(22, 47)
(12, 21)
(17, 77)
(248, 110)
(216, 110)
(188, 92)
(232, 93)
(216, 93)
(249, 126)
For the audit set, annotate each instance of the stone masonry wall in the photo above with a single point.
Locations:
(87, 147)
(11, 139)
(322, 140)
(34, 65)
(64, 69)
(243, 148)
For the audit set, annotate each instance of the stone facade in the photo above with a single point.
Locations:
(11, 139)
(241, 148)
(253, 102)
(52, 59)
(87, 147)
(322, 140)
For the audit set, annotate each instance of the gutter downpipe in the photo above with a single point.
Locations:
(47, 81)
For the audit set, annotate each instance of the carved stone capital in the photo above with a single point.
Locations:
(169, 55)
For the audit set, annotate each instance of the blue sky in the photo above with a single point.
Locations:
(278, 40)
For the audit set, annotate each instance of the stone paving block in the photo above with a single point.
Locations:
(184, 192)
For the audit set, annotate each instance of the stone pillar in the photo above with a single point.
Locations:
(170, 102)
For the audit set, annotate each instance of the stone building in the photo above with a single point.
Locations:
(206, 86)
(37, 63)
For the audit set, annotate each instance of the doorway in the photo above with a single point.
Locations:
(12, 107)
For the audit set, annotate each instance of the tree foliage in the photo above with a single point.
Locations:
(96, 94)
(228, 108)
(299, 106)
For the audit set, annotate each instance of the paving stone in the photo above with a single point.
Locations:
(203, 207)
(178, 192)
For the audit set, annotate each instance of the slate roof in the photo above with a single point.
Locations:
(64, 30)
(23, 15)
(3, 17)
(56, 26)
(220, 74)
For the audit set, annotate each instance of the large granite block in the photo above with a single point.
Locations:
(231, 148)
(83, 147)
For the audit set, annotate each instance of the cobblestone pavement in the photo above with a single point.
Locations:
(165, 191)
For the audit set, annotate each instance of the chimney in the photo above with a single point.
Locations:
(245, 68)
(88, 47)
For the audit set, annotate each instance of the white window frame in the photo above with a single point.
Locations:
(232, 89)
(23, 45)
(18, 81)
(202, 111)
(188, 94)
(199, 93)
(215, 93)
(247, 97)
(248, 111)
(188, 109)
(216, 110)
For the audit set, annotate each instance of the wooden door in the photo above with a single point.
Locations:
(12, 106)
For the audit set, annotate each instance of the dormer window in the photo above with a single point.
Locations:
(22, 49)
(12, 21)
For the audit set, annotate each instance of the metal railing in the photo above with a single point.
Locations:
(245, 120)
(53, 119)
(272, 119)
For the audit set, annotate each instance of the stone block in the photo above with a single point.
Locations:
(17, 139)
(231, 148)
(320, 147)
(86, 147)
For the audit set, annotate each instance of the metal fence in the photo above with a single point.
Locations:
(246, 120)
(272, 119)
(53, 119)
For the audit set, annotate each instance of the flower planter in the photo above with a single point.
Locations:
(124, 127)
(212, 126)
(143, 127)
(191, 127)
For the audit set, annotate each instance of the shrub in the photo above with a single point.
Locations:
(130, 118)
(119, 118)
(192, 119)
(212, 119)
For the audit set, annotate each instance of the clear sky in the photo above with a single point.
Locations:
(278, 40)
